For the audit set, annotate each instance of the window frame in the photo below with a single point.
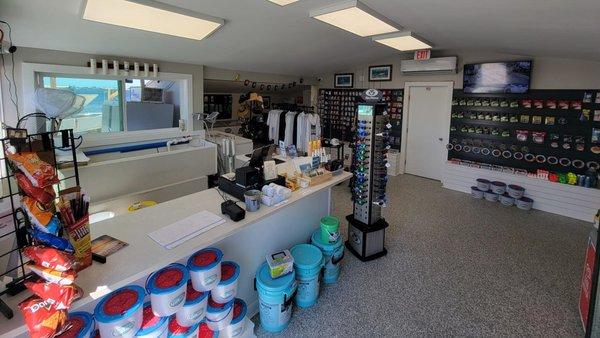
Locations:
(32, 74)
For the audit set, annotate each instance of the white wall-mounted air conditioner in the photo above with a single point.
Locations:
(444, 65)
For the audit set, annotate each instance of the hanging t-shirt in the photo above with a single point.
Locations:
(273, 124)
(313, 128)
(290, 117)
(281, 135)
(300, 132)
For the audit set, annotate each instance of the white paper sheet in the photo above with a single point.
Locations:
(183, 230)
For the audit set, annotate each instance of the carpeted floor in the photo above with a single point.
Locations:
(456, 267)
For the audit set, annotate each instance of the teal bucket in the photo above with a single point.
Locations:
(308, 262)
(332, 256)
(274, 299)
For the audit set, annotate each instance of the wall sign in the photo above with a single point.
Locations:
(424, 54)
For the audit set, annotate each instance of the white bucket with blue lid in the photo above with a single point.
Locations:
(226, 290)
(205, 269)
(219, 315)
(174, 330)
(238, 322)
(81, 325)
(333, 253)
(167, 289)
(120, 313)
(152, 325)
(275, 298)
(308, 262)
(194, 309)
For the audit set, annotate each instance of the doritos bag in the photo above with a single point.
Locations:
(43, 195)
(39, 173)
(42, 320)
(50, 257)
(59, 296)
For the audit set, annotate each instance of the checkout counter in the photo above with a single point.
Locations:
(270, 229)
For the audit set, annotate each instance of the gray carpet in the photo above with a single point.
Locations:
(456, 267)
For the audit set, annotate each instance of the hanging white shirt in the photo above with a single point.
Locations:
(289, 128)
(313, 128)
(273, 124)
(301, 132)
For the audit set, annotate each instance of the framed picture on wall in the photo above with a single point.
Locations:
(343, 80)
(266, 102)
(380, 73)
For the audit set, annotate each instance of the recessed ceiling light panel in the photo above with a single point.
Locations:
(283, 2)
(355, 17)
(152, 16)
(403, 41)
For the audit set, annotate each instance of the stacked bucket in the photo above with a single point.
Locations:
(197, 299)
(315, 263)
(497, 191)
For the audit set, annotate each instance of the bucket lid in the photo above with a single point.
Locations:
(516, 187)
(176, 330)
(205, 331)
(82, 323)
(168, 279)
(525, 199)
(239, 311)
(150, 322)
(317, 240)
(306, 256)
(192, 296)
(482, 180)
(499, 184)
(205, 259)
(266, 282)
(214, 307)
(119, 304)
(330, 221)
(230, 272)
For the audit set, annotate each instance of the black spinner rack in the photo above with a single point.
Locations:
(41, 143)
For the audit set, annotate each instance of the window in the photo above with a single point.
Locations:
(119, 107)
(103, 109)
(220, 103)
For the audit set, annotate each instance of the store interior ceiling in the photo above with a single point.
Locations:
(223, 86)
(259, 35)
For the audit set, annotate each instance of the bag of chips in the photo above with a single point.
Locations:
(50, 240)
(58, 296)
(42, 219)
(42, 320)
(42, 195)
(39, 173)
(50, 258)
(53, 276)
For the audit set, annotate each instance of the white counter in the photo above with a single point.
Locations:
(247, 242)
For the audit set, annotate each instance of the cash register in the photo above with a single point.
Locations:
(251, 176)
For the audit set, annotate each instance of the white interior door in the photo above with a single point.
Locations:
(427, 130)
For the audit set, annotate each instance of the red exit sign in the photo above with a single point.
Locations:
(424, 54)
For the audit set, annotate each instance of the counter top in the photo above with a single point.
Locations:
(143, 256)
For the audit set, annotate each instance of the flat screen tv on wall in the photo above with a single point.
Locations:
(500, 77)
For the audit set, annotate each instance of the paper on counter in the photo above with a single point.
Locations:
(183, 230)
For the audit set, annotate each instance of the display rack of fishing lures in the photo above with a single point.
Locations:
(542, 130)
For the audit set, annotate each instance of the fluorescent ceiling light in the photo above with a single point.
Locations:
(355, 17)
(152, 16)
(403, 41)
(283, 2)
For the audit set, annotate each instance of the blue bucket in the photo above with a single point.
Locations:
(82, 325)
(308, 262)
(332, 256)
(120, 313)
(274, 298)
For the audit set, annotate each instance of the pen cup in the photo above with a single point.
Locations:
(252, 198)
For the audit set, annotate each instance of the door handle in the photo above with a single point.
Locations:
(441, 139)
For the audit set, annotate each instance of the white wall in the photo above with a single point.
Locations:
(548, 73)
